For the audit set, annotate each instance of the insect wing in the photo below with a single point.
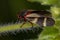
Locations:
(49, 21)
(33, 15)
(40, 21)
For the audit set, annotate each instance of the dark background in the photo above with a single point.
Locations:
(10, 8)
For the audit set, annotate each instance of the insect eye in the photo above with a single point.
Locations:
(19, 17)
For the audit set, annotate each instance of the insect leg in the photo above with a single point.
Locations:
(24, 21)
(31, 23)
(23, 24)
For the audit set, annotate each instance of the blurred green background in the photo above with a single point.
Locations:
(10, 8)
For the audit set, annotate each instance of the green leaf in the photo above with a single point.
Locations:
(48, 33)
(57, 37)
(34, 0)
(14, 27)
(55, 11)
(47, 2)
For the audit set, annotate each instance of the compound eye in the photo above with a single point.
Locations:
(19, 17)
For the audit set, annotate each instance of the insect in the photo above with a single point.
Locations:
(42, 18)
